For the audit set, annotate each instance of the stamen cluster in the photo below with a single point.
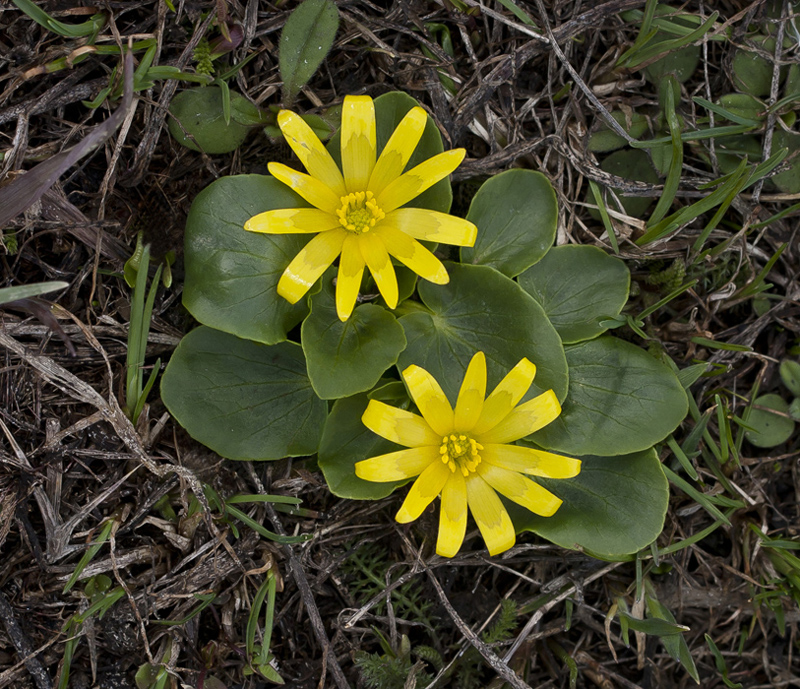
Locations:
(460, 451)
(359, 212)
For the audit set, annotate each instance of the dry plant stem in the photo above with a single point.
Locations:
(307, 595)
(599, 107)
(491, 658)
(540, 613)
(23, 646)
(773, 95)
(505, 68)
(61, 94)
(155, 122)
(74, 387)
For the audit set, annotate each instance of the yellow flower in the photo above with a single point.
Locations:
(463, 454)
(359, 211)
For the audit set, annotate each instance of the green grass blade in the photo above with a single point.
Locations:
(601, 207)
(724, 112)
(676, 164)
(685, 462)
(518, 12)
(105, 532)
(34, 289)
(87, 28)
(700, 498)
(258, 528)
(671, 45)
(135, 359)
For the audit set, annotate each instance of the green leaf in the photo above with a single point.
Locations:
(752, 73)
(516, 214)
(674, 643)
(346, 441)
(681, 61)
(606, 140)
(741, 108)
(653, 625)
(789, 181)
(620, 400)
(34, 289)
(482, 310)
(634, 165)
(790, 375)
(350, 357)
(577, 286)
(731, 150)
(769, 429)
(243, 399)
(390, 108)
(199, 112)
(244, 112)
(87, 28)
(232, 275)
(305, 41)
(614, 507)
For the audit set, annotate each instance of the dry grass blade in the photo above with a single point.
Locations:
(22, 192)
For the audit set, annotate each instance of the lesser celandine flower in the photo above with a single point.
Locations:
(359, 210)
(464, 455)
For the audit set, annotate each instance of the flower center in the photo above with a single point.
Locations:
(359, 212)
(460, 452)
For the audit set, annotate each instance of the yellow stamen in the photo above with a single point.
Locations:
(359, 212)
(460, 452)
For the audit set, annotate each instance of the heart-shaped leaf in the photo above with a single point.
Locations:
(620, 400)
(199, 112)
(482, 310)
(614, 507)
(577, 286)
(346, 441)
(769, 428)
(243, 399)
(516, 214)
(232, 275)
(350, 357)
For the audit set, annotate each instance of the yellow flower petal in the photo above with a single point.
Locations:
(412, 254)
(348, 281)
(430, 399)
(399, 426)
(309, 149)
(525, 419)
(433, 226)
(309, 264)
(292, 221)
(395, 155)
(505, 396)
(520, 489)
(527, 460)
(490, 515)
(411, 184)
(453, 516)
(358, 141)
(397, 466)
(311, 189)
(380, 265)
(423, 491)
(470, 397)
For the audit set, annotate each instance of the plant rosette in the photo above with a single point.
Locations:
(293, 351)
